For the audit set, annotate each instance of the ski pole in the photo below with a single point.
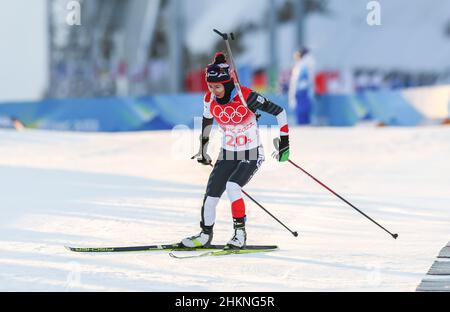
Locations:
(340, 197)
(233, 65)
(260, 206)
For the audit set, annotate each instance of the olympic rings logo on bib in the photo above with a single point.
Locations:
(230, 114)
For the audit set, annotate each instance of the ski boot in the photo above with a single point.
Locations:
(203, 239)
(239, 239)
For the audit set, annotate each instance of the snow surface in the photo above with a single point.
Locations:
(142, 188)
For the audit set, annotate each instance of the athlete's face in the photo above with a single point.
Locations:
(217, 88)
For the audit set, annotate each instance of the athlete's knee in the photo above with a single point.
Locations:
(215, 189)
(233, 191)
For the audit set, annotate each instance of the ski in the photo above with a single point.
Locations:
(168, 247)
(229, 251)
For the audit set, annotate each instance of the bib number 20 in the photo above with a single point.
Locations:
(240, 140)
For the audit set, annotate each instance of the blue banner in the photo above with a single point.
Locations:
(162, 112)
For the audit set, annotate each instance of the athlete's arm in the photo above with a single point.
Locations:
(207, 121)
(256, 102)
(206, 127)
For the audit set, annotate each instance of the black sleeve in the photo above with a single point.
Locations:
(255, 102)
(206, 127)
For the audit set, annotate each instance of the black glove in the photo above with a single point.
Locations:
(283, 152)
(282, 146)
(202, 156)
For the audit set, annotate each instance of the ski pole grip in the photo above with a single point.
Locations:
(224, 36)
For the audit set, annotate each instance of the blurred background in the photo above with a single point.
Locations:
(111, 65)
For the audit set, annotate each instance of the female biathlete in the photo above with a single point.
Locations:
(241, 154)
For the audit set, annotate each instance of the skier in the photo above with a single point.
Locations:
(241, 154)
(302, 85)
